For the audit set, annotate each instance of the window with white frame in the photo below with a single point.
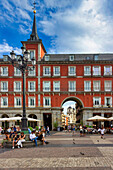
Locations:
(31, 86)
(96, 70)
(4, 71)
(17, 102)
(87, 85)
(71, 58)
(107, 70)
(107, 85)
(4, 101)
(32, 54)
(47, 57)
(108, 101)
(96, 101)
(31, 101)
(4, 86)
(46, 86)
(56, 71)
(87, 70)
(72, 85)
(56, 86)
(17, 86)
(71, 70)
(46, 71)
(96, 85)
(17, 72)
(47, 101)
(32, 71)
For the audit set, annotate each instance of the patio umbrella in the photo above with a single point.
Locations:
(97, 118)
(3, 119)
(110, 118)
(17, 118)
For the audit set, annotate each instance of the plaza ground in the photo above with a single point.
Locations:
(64, 151)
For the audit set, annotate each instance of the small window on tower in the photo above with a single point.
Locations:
(71, 58)
(32, 54)
(47, 58)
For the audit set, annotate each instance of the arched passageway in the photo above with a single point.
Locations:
(30, 123)
(5, 124)
(72, 107)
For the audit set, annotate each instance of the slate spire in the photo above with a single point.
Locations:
(34, 35)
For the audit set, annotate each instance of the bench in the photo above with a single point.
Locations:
(26, 144)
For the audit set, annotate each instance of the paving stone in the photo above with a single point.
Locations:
(61, 153)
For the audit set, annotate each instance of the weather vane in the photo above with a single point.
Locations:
(34, 7)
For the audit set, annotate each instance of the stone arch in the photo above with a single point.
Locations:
(30, 123)
(73, 98)
(79, 106)
(18, 123)
(5, 116)
(18, 115)
(5, 124)
(32, 116)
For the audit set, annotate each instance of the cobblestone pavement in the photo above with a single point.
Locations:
(64, 151)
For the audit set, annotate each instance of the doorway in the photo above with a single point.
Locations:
(47, 118)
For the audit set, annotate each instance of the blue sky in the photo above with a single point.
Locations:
(65, 26)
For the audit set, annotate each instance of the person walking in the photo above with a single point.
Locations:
(81, 130)
(102, 131)
(48, 132)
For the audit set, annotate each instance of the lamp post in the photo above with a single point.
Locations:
(21, 62)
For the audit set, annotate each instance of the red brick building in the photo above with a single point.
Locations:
(84, 78)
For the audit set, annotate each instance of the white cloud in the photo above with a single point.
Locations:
(23, 14)
(5, 49)
(82, 29)
(23, 29)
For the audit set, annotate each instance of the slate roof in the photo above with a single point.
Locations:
(78, 57)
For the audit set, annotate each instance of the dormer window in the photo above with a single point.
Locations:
(5, 58)
(71, 58)
(87, 58)
(47, 57)
(95, 57)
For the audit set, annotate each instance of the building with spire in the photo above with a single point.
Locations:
(86, 79)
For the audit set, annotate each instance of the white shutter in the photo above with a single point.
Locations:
(110, 70)
(99, 70)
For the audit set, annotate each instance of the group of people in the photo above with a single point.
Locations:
(83, 130)
(15, 138)
(18, 137)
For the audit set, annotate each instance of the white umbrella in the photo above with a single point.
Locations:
(110, 118)
(19, 118)
(3, 119)
(97, 118)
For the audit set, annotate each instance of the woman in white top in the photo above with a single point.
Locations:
(102, 132)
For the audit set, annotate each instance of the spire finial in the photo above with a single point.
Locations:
(34, 3)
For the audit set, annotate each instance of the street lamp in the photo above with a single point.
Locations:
(21, 62)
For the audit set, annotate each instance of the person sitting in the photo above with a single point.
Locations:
(15, 139)
(21, 139)
(42, 138)
(6, 139)
(33, 137)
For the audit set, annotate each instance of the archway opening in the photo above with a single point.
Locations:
(18, 122)
(72, 111)
(31, 123)
(5, 124)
